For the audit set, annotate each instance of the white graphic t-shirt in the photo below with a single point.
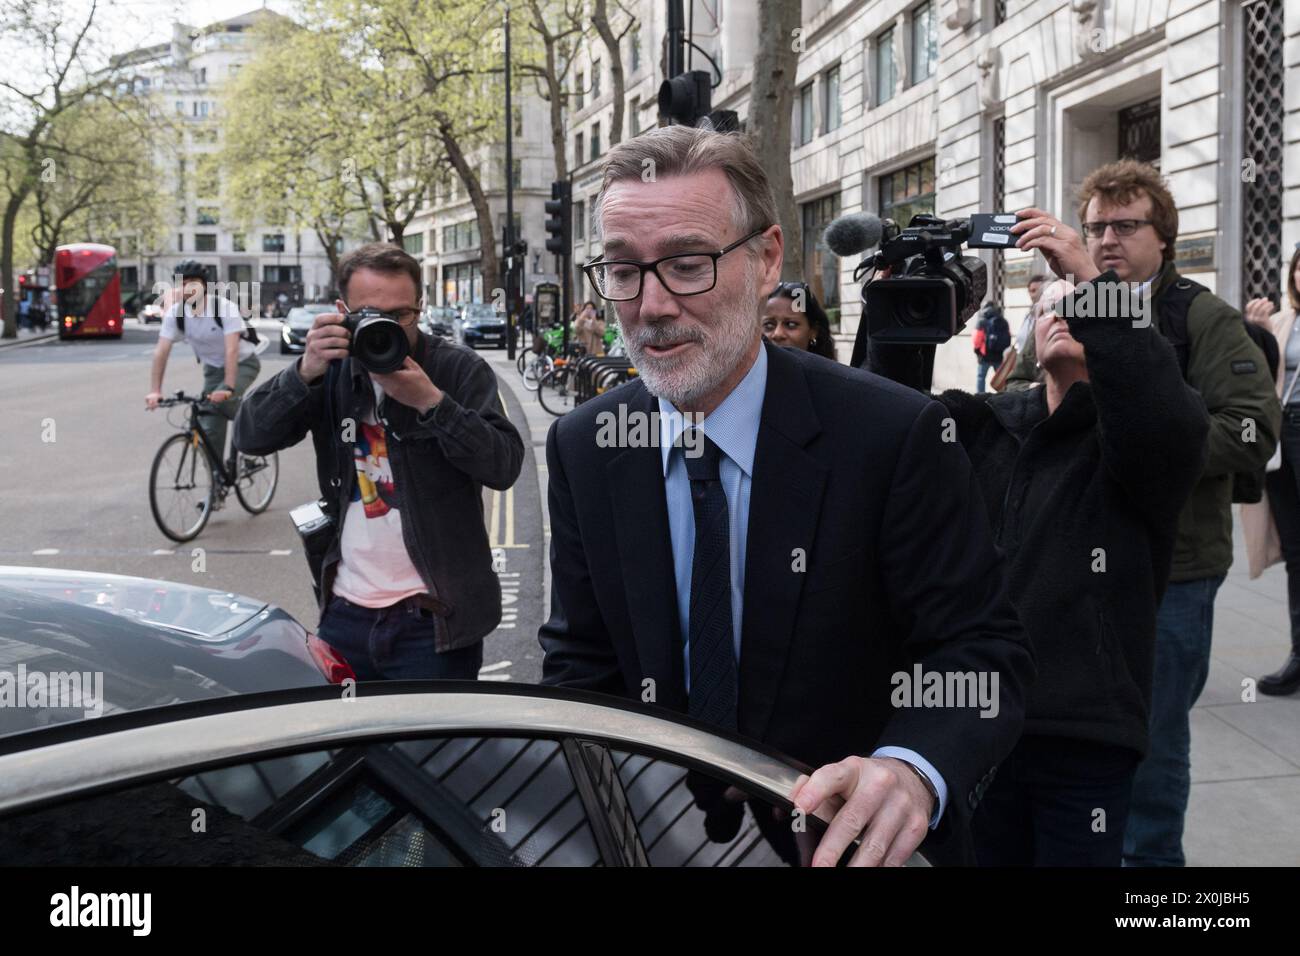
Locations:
(375, 569)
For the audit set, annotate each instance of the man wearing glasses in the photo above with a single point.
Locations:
(1130, 225)
(406, 588)
(782, 574)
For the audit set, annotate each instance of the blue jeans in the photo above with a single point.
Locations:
(394, 643)
(1184, 625)
(981, 373)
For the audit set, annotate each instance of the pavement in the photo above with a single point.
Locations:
(1245, 747)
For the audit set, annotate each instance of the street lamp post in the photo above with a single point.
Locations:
(510, 237)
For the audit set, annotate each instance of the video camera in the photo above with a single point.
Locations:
(932, 289)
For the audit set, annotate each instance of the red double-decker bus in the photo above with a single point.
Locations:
(88, 291)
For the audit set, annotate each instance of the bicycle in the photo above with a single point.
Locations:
(188, 480)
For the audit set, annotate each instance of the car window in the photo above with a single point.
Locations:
(691, 818)
(430, 802)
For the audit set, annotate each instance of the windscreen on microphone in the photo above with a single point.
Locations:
(853, 234)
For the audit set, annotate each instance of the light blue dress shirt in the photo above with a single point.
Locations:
(733, 427)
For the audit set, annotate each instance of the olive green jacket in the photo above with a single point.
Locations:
(1232, 377)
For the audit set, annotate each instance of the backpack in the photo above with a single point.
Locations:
(1247, 486)
(248, 335)
(998, 339)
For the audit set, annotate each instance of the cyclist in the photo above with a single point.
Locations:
(215, 330)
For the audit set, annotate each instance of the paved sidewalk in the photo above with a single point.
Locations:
(1245, 755)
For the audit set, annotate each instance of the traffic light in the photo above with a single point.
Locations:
(687, 97)
(559, 225)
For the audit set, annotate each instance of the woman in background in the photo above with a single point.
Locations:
(794, 318)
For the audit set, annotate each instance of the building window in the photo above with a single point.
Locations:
(1139, 132)
(518, 112)
(273, 242)
(999, 11)
(240, 273)
(130, 277)
(205, 242)
(517, 173)
(831, 99)
(207, 175)
(578, 140)
(595, 80)
(208, 216)
(413, 242)
(595, 141)
(820, 265)
(237, 242)
(1263, 134)
(886, 67)
(907, 192)
(201, 75)
(579, 220)
(635, 44)
(180, 108)
(519, 227)
(998, 277)
(180, 242)
(580, 85)
(282, 274)
(925, 41)
(803, 129)
(634, 116)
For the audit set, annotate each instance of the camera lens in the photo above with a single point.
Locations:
(380, 344)
(918, 308)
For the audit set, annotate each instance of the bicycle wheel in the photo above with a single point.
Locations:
(255, 479)
(181, 485)
(536, 370)
(555, 393)
(521, 363)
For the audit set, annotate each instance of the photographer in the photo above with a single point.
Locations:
(1084, 480)
(406, 584)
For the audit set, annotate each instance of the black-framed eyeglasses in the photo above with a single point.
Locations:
(407, 316)
(1122, 227)
(686, 273)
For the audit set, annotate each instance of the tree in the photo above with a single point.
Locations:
(770, 101)
(614, 49)
(62, 81)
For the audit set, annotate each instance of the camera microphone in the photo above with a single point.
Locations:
(857, 232)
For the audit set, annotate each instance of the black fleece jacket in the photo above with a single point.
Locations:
(1085, 503)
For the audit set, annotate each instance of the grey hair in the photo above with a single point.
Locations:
(683, 150)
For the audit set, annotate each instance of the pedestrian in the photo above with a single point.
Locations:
(1019, 368)
(24, 313)
(797, 538)
(405, 578)
(215, 330)
(793, 317)
(1130, 223)
(993, 340)
(1119, 444)
(589, 329)
(1272, 526)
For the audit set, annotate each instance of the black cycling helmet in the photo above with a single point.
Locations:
(191, 269)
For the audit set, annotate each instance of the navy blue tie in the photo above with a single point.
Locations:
(713, 657)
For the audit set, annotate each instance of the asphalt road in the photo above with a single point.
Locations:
(76, 450)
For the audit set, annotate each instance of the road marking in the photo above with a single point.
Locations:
(493, 676)
(44, 551)
(494, 667)
(163, 551)
(280, 552)
(503, 507)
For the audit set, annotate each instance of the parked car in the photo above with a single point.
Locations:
(481, 325)
(413, 773)
(440, 320)
(296, 325)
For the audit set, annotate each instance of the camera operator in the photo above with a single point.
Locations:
(406, 584)
(1093, 467)
(1131, 223)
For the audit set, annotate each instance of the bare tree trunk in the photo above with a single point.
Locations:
(770, 100)
(600, 20)
(553, 77)
(7, 300)
(486, 232)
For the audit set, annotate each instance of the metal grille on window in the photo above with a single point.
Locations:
(998, 279)
(1139, 132)
(1262, 111)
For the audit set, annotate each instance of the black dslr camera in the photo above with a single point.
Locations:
(379, 342)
